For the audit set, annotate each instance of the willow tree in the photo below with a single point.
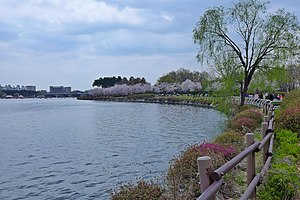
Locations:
(245, 38)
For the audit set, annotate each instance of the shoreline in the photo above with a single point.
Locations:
(158, 100)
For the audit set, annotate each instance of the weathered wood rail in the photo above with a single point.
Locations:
(211, 180)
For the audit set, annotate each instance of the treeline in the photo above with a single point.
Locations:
(182, 74)
(106, 82)
(186, 86)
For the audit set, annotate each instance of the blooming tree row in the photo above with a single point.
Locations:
(124, 90)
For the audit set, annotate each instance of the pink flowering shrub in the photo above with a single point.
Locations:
(251, 113)
(231, 138)
(246, 120)
(241, 123)
(225, 151)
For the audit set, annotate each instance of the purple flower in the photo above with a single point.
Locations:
(217, 148)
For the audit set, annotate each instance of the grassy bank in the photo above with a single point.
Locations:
(219, 103)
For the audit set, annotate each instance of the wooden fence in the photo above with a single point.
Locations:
(211, 181)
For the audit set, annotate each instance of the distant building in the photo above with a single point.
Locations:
(18, 88)
(68, 90)
(60, 90)
(30, 88)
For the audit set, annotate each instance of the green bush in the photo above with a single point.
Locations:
(143, 190)
(282, 181)
(242, 124)
(289, 119)
(287, 144)
(251, 113)
(231, 138)
(291, 99)
(248, 119)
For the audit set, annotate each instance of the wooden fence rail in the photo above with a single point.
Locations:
(211, 181)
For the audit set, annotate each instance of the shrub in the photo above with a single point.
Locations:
(225, 107)
(291, 99)
(247, 120)
(287, 144)
(245, 107)
(283, 178)
(289, 119)
(242, 123)
(251, 113)
(281, 183)
(143, 190)
(182, 178)
(225, 151)
(231, 138)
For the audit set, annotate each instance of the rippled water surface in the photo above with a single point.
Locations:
(69, 149)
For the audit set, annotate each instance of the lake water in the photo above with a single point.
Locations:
(69, 149)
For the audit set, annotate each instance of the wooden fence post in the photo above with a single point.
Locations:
(264, 128)
(267, 108)
(270, 113)
(266, 119)
(250, 161)
(204, 165)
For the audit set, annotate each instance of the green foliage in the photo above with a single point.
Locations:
(269, 78)
(247, 120)
(270, 39)
(291, 99)
(143, 190)
(289, 119)
(224, 105)
(287, 144)
(242, 124)
(293, 76)
(282, 181)
(254, 114)
(182, 74)
(231, 85)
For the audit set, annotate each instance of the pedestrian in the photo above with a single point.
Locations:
(271, 96)
(266, 95)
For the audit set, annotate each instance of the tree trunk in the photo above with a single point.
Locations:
(242, 95)
(244, 89)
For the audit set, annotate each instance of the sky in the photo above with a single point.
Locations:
(74, 42)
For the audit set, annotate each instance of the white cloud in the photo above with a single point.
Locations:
(167, 17)
(59, 12)
(72, 42)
